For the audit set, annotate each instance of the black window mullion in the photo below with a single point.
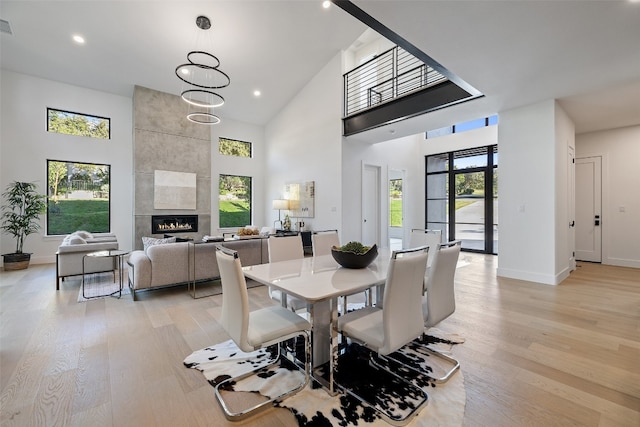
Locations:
(488, 202)
(452, 199)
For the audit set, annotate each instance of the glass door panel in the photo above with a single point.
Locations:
(469, 210)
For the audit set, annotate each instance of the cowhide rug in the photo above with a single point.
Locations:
(315, 407)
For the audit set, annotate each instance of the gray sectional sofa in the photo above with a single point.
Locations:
(173, 263)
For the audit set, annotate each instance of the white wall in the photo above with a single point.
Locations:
(399, 154)
(406, 154)
(620, 152)
(564, 238)
(527, 193)
(26, 145)
(230, 165)
(304, 144)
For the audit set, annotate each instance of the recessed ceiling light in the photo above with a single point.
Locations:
(256, 93)
(78, 39)
(184, 71)
(326, 4)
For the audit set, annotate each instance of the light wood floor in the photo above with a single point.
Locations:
(535, 355)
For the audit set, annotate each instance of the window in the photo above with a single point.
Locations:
(232, 147)
(462, 127)
(462, 197)
(70, 123)
(395, 202)
(235, 201)
(78, 197)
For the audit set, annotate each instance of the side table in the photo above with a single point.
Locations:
(117, 255)
(193, 246)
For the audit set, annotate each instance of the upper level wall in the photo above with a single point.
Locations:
(230, 165)
(304, 144)
(25, 146)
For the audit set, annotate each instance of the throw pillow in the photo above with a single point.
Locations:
(147, 242)
(76, 240)
(83, 234)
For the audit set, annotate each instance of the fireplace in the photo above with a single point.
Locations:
(174, 224)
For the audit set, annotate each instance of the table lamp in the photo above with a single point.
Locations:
(280, 204)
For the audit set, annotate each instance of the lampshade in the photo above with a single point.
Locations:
(279, 204)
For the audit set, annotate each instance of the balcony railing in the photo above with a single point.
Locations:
(390, 75)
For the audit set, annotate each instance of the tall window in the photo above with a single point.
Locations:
(235, 201)
(395, 202)
(70, 123)
(78, 197)
(462, 197)
(232, 147)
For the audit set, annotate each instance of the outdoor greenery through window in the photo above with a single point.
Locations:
(232, 147)
(70, 123)
(78, 197)
(235, 201)
(395, 202)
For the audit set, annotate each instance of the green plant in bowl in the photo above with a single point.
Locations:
(354, 254)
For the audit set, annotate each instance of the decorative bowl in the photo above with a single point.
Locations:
(354, 260)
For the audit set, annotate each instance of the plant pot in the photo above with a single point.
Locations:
(16, 261)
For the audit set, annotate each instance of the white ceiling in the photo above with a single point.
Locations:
(586, 54)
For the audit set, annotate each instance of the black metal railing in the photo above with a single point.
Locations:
(389, 75)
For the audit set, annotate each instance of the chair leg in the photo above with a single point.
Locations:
(425, 349)
(245, 413)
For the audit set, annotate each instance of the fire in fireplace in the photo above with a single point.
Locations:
(174, 223)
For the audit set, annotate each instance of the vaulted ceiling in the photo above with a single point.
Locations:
(584, 53)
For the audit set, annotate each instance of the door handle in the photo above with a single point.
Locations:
(572, 223)
(597, 220)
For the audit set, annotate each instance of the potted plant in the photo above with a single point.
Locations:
(20, 216)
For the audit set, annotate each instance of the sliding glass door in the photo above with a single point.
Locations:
(462, 197)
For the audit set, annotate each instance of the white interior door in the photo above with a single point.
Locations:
(370, 205)
(571, 211)
(589, 209)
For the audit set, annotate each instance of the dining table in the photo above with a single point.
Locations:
(320, 281)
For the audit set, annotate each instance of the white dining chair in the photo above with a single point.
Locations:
(425, 237)
(439, 301)
(252, 330)
(323, 241)
(285, 248)
(399, 321)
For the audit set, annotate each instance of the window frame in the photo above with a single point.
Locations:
(222, 138)
(490, 169)
(93, 116)
(49, 215)
(250, 198)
